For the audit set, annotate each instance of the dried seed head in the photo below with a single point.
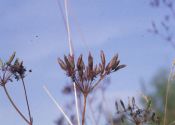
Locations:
(80, 67)
(90, 62)
(117, 108)
(122, 104)
(113, 62)
(67, 62)
(80, 63)
(85, 75)
(71, 61)
(119, 67)
(62, 64)
(103, 60)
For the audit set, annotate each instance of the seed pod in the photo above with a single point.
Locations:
(71, 61)
(79, 62)
(11, 58)
(113, 62)
(67, 62)
(62, 64)
(114, 66)
(101, 69)
(117, 108)
(90, 62)
(133, 102)
(103, 60)
(122, 104)
(107, 67)
(96, 70)
(119, 67)
(80, 66)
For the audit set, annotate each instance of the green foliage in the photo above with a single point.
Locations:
(159, 84)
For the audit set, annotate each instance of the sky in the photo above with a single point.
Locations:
(36, 31)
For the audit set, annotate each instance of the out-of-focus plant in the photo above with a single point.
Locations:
(159, 86)
(11, 70)
(87, 77)
(97, 104)
(132, 113)
(165, 27)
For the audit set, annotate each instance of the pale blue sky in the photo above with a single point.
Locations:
(116, 26)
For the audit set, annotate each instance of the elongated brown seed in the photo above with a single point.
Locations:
(62, 64)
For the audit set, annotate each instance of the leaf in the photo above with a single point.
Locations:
(149, 104)
(11, 58)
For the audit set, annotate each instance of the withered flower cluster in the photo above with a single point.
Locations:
(135, 114)
(11, 69)
(14, 69)
(87, 77)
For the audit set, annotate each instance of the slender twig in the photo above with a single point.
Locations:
(101, 78)
(15, 107)
(84, 109)
(27, 101)
(71, 53)
(57, 105)
(167, 94)
(68, 27)
(76, 103)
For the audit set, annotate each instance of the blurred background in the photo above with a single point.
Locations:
(140, 31)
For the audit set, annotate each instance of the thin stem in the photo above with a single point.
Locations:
(27, 101)
(58, 106)
(101, 78)
(167, 93)
(68, 28)
(15, 107)
(84, 109)
(76, 103)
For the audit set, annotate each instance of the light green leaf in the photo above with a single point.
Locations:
(11, 58)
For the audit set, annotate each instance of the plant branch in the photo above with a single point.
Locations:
(27, 101)
(76, 103)
(167, 94)
(58, 106)
(68, 28)
(101, 78)
(15, 107)
(84, 109)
